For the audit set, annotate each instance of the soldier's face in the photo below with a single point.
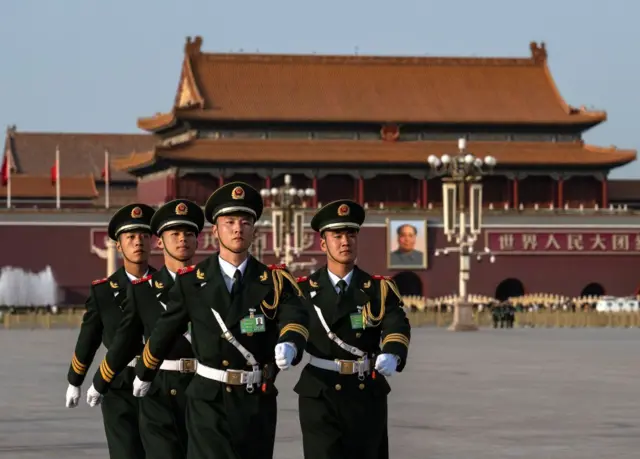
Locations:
(134, 246)
(179, 243)
(341, 246)
(234, 232)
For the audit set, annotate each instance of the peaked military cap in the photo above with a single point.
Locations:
(180, 212)
(233, 197)
(133, 217)
(338, 215)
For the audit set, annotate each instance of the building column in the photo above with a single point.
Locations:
(560, 194)
(514, 192)
(220, 180)
(605, 192)
(425, 196)
(360, 191)
(314, 185)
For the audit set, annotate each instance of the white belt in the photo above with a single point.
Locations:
(182, 365)
(133, 362)
(344, 367)
(231, 377)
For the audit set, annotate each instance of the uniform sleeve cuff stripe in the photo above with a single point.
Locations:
(80, 365)
(103, 373)
(147, 353)
(297, 328)
(148, 364)
(79, 371)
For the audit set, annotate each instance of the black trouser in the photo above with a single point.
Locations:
(162, 416)
(235, 425)
(344, 426)
(120, 414)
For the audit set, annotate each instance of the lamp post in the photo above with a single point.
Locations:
(112, 255)
(462, 174)
(287, 218)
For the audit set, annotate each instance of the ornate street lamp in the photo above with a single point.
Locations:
(287, 218)
(461, 176)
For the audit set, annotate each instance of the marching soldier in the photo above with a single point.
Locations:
(248, 321)
(343, 390)
(162, 411)
(130, 228)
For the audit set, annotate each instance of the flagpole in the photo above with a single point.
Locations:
(57, 177)
(107, 178)
(8, 159)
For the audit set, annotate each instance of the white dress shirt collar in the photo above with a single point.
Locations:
(335, 279)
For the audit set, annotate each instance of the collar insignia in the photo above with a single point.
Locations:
(313, 283)
(113, 284)
(199, 274)
(159, 285)
(367, 284)
(264, 277)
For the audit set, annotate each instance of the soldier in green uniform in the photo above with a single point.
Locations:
(130, 228)
(162, 411)
(247, 322)
(359, 336)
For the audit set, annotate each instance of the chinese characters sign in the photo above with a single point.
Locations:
(563, 242)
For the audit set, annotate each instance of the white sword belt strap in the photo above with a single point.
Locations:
(344, 346)
(234, 342)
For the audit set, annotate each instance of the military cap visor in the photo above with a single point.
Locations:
(342, 214)
(180, 212)
(133, 217)
(231, 198)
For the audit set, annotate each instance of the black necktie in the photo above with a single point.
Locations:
(342, 285)
(237, 280)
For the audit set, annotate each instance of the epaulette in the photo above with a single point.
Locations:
(302, 279)
(379, 277)
(141, 280)
(100, 281)
(186, 269)
(272, 267)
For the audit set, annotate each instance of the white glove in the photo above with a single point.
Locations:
(386, 364)
(93, 396)
(285, 353)
(73, 396)
(140, 387)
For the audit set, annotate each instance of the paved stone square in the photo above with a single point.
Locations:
(519, 393)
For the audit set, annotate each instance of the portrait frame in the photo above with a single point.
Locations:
(421, 243)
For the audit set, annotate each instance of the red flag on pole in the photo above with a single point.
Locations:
(54, 173)
(5, 169)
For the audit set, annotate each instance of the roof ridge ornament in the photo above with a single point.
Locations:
(193, 46)
(538, 52)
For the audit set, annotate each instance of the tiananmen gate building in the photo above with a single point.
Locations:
(360, 127)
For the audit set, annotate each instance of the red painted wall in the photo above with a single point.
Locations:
(67, 249)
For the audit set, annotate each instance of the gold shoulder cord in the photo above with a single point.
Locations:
(367, 316)
(278, 276)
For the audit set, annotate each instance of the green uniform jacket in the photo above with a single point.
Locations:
(143, 306)
(391, 334)
(202, 288)
(99, 325)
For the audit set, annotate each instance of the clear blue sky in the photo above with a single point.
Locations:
(95, 66)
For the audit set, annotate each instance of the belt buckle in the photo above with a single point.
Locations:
(187, 365)
(234, 377)
(346, 367)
